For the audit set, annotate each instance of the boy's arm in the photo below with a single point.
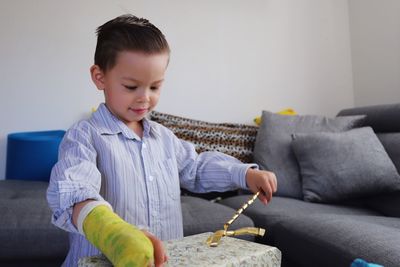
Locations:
(215, 171)
(76, 210)
(74, 178)
(121, 242)
(209, 171)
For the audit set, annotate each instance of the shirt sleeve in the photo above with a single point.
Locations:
(209, 171)
(74, 178)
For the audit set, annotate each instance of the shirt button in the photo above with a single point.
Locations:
(151, 178)
(144, 145)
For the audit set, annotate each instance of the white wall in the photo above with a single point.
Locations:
(375, 42)
(230, 59)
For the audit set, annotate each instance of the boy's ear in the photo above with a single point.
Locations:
(97, 77)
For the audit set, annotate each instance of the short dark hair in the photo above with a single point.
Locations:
(127, 33)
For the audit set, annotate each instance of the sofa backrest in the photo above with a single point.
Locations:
(385, 120)
(382, 118)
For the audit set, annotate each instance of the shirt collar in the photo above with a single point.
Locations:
(108, 124)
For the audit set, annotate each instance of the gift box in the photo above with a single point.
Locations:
(194, 251)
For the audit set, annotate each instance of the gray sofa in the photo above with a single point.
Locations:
(308, 234)
(317, 234)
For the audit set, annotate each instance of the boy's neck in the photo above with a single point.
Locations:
(136, 127)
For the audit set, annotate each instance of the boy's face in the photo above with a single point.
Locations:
(132, 87)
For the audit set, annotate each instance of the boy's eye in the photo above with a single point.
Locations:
(130, 87)
(154, 88)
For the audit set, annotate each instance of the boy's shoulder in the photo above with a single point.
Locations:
(85, 126)
(99, 122)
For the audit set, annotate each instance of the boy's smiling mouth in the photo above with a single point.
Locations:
(139, 111)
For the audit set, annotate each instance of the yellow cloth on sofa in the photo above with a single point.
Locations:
(288, 111)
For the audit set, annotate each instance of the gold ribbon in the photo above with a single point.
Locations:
(213, 240)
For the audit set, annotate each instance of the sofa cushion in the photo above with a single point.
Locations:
(280, 209)
(337, 166)
(273, 150)
(25, 227)
(22, 189)
(336, 240)
(201, 216)
(233, 139)
(391, 143)
(387, 204)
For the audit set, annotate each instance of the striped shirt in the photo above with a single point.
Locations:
(100, 158)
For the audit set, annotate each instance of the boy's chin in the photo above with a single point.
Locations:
(138, 118)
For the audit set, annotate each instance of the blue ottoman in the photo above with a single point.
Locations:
(32, 155)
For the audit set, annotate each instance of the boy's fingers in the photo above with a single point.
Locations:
(159, 262)
(272, 181)
(266, 193)
(263, 199)
(273, 184)
(159, 254)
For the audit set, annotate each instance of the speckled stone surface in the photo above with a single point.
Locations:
(193, 251)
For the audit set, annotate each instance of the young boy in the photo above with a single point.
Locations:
(116, 186)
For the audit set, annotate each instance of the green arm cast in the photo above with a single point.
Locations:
(122, 243)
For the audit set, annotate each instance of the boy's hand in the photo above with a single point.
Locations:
(160, 257)
(122, 243)
(264, 180)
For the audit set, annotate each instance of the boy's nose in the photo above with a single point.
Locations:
(144, 96)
